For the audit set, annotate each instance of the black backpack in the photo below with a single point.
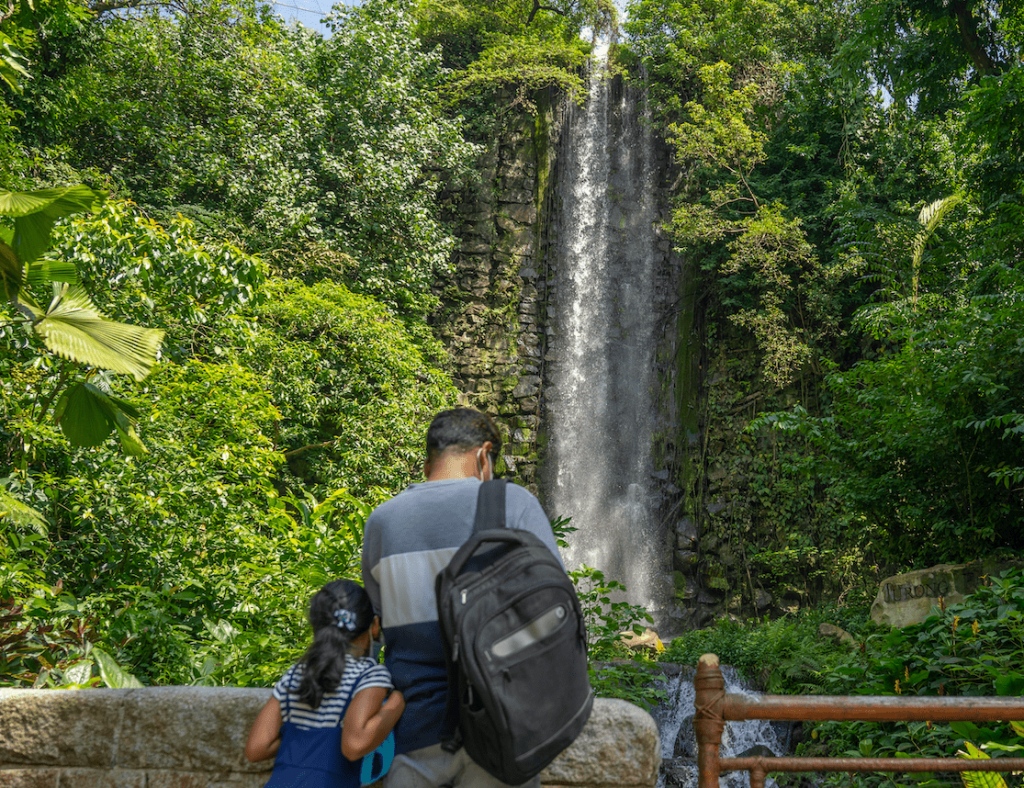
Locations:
(516, 647)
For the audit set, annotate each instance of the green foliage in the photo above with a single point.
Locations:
(989, 779)
(353, 389)
(166, 275)
(921, 445)
(520, 66)
(607, 620)
(270, 134)
(71, 326)
(784, 656)
(971, 648)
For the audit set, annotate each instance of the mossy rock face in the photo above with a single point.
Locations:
(716, 577)
(494, 305)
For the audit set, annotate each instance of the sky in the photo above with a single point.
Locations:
(310, 13)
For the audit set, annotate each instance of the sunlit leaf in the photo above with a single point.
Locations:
(79, 673)
(35, 212)
(13, 510)
(52, 203)
(45, 272)
(75, 329)
(114, 675)
(130, 441)
(979, 779)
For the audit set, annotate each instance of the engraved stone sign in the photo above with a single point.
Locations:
(908, 598)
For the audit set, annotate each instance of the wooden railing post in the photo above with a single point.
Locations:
(708, 724)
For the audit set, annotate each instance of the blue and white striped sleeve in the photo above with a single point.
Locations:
(374, 676)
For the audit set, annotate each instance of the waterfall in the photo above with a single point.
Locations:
(679, 744)
(599, 395)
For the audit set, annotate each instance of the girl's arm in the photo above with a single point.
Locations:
(265, 736)
(367, 722)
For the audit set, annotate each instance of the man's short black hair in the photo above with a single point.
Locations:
(462, 428)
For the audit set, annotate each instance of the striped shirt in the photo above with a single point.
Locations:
(408, 540)
(360, 673)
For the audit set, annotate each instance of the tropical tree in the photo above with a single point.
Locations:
(70, 326)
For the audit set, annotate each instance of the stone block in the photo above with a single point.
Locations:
(523, 214)
(214, 723)
(528, 386)
(517, 196)
(619, 746)
(173, 779)
(507, 224)
(60, 727)
(29, 778)
(102, 778)
(475, 247)
(686, 560)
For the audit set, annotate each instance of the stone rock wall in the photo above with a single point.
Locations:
(493, 306)
(194, 737)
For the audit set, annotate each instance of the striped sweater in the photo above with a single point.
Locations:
(408, 540)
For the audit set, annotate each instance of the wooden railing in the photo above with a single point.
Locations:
(714, 707)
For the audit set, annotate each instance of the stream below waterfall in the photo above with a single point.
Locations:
(674, 717)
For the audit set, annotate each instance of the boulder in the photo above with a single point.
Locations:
(619, 746)
(836, 633)
(908, 598)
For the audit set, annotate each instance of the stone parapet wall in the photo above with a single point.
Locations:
(194, 737)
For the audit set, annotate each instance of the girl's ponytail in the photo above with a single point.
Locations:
(338, 612)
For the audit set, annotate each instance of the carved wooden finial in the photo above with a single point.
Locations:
(711, 660)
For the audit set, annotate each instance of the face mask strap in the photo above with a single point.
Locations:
(480, 465)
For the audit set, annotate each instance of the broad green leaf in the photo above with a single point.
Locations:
(75, 329)
(35, 212)
(979, 779)
(45, 272)
(1011, 684)
(222, 631)
(22, 514)
(11, 271)
(130, 441)
(12, 69)
(52, 203)
(79, 673)
(114, 675)
(1018, 728)
(85, 415)
(88, 415)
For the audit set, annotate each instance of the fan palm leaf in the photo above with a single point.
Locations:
(74, 328)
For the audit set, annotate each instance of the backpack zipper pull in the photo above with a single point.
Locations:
(463, 596)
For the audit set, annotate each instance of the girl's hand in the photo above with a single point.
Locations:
(265, 736)
(369, 720)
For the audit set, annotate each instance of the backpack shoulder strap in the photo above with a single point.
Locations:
(490, 506)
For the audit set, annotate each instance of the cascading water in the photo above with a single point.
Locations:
(599, 385)
(679, 743)
(599, 390)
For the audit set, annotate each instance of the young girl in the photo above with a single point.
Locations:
(333, 702)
